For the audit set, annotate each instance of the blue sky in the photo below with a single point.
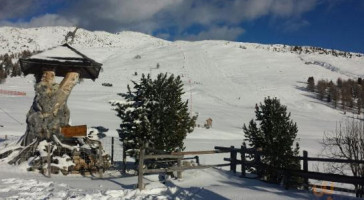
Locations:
(337, 24)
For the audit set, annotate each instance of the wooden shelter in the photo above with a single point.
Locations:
(61, 60)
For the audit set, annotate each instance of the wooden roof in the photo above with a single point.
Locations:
(61, 60)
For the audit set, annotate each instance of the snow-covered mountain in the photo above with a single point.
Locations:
(14, 40)
(223, 80)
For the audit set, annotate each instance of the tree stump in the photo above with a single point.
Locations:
(48, 113)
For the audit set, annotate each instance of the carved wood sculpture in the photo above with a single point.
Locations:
(49, 113)
(72, 35)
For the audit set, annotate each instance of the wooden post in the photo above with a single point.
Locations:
(242, 157)
(258, 163)
(49, 160)
(197, 160)
(179, 164)
(233, 159)
(124, 158)
(112, 150)
(100, 161)
(140, 168)
(305, 168)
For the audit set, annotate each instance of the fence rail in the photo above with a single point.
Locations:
(253, 161)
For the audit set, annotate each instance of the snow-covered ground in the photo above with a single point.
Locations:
(222, 80)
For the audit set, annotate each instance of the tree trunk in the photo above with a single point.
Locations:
(48, 113)
(49, 110)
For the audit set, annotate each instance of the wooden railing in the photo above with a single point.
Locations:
(174, 156)
(288, 173)
(255, 162)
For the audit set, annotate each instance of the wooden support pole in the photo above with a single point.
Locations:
(112, 150)
(242, 157)
(124, 158)
(179, 164)
(140, 168)
(49, 160)
(233, 159)
(305, 168)
(100, 161)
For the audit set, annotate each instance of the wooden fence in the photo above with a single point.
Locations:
(288, 173)
(256, 163)
(174, 156)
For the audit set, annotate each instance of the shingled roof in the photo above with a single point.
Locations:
(61, 59)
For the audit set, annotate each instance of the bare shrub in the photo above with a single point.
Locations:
(346, 142)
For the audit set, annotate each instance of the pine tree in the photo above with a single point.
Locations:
(154, 113)
(275, 135)
(311, 84)
(339, 83)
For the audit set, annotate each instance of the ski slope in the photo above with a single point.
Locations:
(222, 80)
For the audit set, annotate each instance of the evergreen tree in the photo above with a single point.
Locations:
(16, 70)
(275, 135)
(154, 113)
(339, 83)
(311, 84)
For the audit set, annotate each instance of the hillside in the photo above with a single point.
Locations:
(223, 80)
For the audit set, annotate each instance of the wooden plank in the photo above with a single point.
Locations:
(146, 157)
(172, 169)
(74, 131)
(197, 152)
(328, 177)
(334, 160)
(226, 149)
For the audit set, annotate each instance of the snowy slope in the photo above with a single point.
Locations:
(222, 80)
